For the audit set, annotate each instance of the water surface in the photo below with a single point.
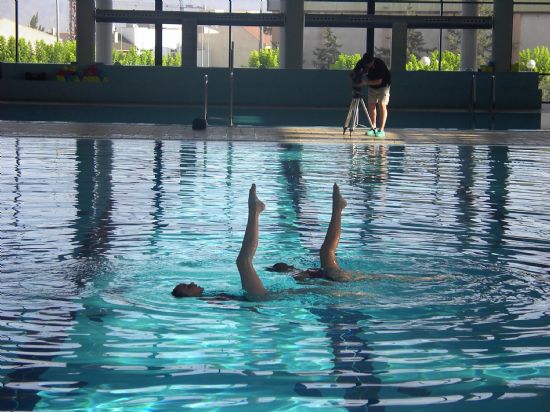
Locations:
(453, 313)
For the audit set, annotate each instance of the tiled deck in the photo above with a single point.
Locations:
(273, 134)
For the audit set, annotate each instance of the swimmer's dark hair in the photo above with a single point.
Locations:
(280, 267)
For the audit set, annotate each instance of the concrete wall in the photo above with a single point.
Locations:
(271, 89)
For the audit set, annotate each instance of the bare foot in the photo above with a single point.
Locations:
(255, 204)
(338, 201)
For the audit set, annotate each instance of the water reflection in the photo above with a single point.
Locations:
(485, 315)
(157, 214)
(353, 369)
(499, 173)
(94, 202)
(465, 196)
(369, 172)
(17, 189)
(294, 193)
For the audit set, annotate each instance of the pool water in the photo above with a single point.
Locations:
(454, 312)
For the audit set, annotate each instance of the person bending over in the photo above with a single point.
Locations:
(378, 81)
(250, 280)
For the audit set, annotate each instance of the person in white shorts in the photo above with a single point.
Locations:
(378, 80)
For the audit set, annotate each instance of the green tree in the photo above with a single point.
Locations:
(345, 61)
(26, 52)
(485, 38)
(328, 54)
(40, 52)
(450, 62)
(267, 58)
(172, 59)
(4, 52)
(541, 56)
(33, 23)
(415, 43)
(453, 38)
(134, 57)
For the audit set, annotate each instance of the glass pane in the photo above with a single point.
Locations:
(531, 40)
(213, 46)
(7, 31)
(382, 45)
(423, 49)
(44, 32)
(134, 4)
(332, 47)
(134, 44)
(254, 48)
(335, 7)
(171, 45)
(409, 8)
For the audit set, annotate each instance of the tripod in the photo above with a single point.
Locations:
(352, 119)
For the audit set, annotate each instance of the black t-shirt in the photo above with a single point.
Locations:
(379, 70)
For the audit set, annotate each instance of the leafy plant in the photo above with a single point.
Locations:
(541, 56)
(346, 61)
(449, 62)
(40, 52)
(267, 58)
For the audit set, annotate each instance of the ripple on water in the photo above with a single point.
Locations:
(453, 311)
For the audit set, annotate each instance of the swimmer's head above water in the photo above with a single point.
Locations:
(187, 290)
(281, 267)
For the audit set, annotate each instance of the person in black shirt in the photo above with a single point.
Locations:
(378, 80)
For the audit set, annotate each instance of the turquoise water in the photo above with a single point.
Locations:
(453, 315)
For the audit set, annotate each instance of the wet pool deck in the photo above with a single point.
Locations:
(273, 134)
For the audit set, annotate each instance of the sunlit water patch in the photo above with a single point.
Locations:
(453, 312)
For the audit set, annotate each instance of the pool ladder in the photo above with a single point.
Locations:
(492, 103)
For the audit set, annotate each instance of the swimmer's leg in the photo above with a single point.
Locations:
(250, 281)
(332, 238)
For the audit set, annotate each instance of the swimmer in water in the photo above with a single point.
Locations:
(250, 280)
(330, 270)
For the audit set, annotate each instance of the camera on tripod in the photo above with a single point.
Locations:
(356, 78)
(357, 102)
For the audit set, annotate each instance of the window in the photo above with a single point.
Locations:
(531, 43)
(44, 32)
(7, 32)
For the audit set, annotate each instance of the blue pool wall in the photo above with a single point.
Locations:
(269, 97)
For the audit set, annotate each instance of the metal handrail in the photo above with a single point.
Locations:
(206, 98)
(473, 103)
(492, 104)
(231, 81)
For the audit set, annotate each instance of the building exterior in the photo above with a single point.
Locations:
(7, 29)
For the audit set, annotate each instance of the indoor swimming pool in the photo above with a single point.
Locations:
(453, 313)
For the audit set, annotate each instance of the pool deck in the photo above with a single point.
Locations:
(272, 134)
